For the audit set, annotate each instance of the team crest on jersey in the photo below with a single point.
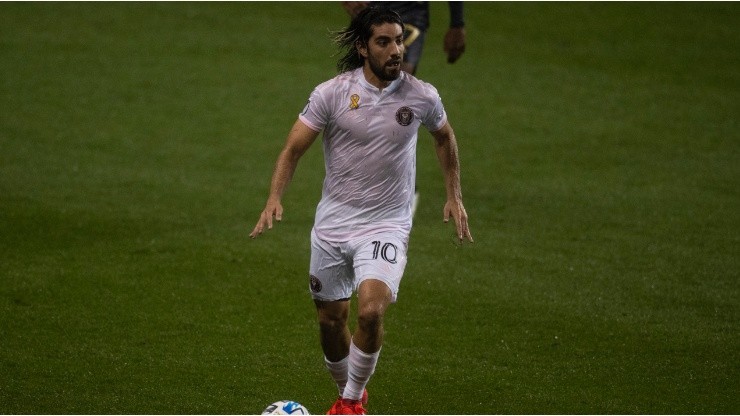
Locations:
(404, 116)
(315, 284)
(354, 102)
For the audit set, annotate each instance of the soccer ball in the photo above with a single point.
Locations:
(285, 407)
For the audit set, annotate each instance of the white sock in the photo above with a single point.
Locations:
(338, 372)
(361, 367)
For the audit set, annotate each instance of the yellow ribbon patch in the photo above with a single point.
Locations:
(355, 101)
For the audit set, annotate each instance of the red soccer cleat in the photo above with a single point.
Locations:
(338, 407)
(352, 407)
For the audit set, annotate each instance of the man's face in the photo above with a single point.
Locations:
(384, 52)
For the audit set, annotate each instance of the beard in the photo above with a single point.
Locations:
(383, 71)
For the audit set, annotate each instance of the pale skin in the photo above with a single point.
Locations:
(384, 49)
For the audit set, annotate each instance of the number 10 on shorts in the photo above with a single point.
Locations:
(387, 251)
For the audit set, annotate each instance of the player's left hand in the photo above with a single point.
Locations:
(273, 209)
(456, 210)
(454, 43)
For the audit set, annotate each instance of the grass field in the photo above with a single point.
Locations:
(599, 145)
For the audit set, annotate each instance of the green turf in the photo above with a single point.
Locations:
(599, 145)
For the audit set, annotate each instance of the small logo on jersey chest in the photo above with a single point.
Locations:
(354, 102)
(404, 116)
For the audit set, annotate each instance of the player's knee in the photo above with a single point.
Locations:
(370, 317)
(332, 321)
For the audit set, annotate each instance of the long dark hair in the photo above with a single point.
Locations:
(359, 31)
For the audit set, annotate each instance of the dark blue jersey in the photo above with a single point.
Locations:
(417, 12)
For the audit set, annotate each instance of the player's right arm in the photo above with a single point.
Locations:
(299, 140)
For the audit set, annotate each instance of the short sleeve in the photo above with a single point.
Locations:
(436, 117)
(314, 114)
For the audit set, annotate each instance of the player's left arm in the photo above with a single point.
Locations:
(446, 146)
(454, 41)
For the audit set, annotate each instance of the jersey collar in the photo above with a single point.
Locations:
(393, 86)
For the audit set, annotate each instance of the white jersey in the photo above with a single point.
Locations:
(369, 151)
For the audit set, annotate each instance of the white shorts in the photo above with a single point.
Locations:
(337, 269)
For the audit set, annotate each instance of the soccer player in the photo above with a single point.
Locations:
(370, 115)
(415, 17)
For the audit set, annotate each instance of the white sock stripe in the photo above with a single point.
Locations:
(354, 349)
(361, 368)
(341, 362)
(339, 372)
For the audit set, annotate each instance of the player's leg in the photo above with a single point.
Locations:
(412, 53)
(373, 298)
(335, 343)
(335, 338)
(414, 43)
(333, 329)
(379, 262)
(331, 287)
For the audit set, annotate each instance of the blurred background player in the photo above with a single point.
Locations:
(415, 16)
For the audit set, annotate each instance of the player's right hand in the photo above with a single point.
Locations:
(454, 43)
(273, 209)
